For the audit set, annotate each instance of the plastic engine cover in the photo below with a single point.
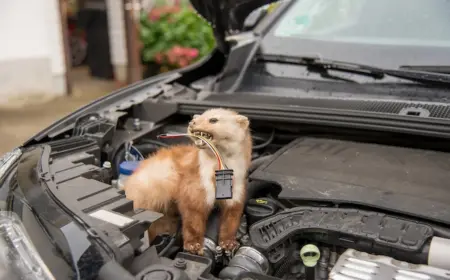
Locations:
(355, 265)
(397, 179)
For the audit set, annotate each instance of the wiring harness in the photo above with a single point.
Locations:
(213, 148)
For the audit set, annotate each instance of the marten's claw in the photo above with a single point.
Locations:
(194, 248)
(229, 245)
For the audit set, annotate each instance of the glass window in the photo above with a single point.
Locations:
(386, 22)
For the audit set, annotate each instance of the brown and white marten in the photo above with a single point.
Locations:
(182, 177)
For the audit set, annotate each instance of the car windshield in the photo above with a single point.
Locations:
(383, 33)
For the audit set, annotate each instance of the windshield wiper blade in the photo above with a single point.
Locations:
(444, 69)
(322, 66)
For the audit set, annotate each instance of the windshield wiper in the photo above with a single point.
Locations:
(443, 69)
(322, 66)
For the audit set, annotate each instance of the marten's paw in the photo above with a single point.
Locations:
(229, 245)
(193, 248)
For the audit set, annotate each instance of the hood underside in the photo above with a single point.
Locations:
(225, 16)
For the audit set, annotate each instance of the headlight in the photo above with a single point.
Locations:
(7, 160)
(18, 256)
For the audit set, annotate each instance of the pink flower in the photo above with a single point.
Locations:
(177, 50)
(192, 53)
(154, 15)
(171, 58)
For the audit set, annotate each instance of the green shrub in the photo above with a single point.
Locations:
(174, 36)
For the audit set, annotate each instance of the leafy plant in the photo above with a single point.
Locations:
(174, 36)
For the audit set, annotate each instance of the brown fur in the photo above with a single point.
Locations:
(175, 176)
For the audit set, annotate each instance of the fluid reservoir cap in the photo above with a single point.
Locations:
(260, 208)
(128, 167)
(158, 275)
(310, 254)
(163, 272)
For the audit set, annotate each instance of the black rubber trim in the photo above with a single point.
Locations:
(363, 230)
(329, 117)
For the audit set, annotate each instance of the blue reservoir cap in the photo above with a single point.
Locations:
(128, 167)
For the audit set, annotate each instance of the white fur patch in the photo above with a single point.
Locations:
(160, 170)
(239, 174)
(153, 180)
(207, 172)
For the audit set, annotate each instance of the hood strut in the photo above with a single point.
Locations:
(226, 16)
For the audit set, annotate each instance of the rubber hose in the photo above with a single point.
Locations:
(267, 143)
(168, 246)
(118, 158)
(172, 241)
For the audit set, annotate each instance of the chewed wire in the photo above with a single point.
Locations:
(128, 148)
(137, 151)
(210, 145)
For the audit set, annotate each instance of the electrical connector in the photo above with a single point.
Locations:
(224, 184)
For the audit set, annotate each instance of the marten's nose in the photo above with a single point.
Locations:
(192, 122)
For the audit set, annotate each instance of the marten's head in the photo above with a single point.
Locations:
(226, 129)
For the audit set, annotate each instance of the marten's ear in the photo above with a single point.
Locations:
(242, 121)
(195, 116)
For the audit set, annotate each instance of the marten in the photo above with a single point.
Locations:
(180, 179)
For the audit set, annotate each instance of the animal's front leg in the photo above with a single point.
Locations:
(194, 228)
(231, 214)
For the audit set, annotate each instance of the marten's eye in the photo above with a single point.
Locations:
(213, 120)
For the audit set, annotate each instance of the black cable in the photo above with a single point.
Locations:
(171, 242)
(169, 245)
(258, 138)
(267, 143)
(154, 142)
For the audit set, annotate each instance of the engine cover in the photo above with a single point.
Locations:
(353, 265)
(407, 181)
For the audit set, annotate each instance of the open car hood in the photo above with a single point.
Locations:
(227, 16)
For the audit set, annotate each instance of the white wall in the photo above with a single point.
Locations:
(31, 49)
(117, 38)
(55, 37)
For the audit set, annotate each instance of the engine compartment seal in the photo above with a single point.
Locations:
(341, 226)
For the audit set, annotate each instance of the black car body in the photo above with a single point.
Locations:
(350, 160)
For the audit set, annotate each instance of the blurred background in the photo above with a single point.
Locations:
(58, 55)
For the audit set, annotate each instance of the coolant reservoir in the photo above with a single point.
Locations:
(126, 168)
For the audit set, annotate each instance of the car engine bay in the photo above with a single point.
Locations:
(320, 205)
